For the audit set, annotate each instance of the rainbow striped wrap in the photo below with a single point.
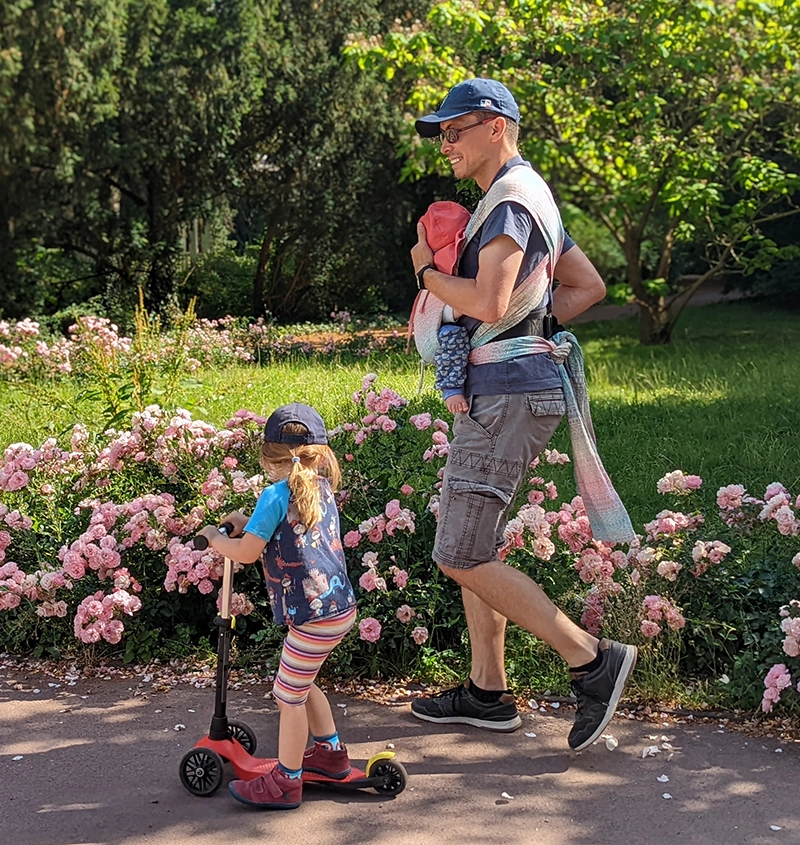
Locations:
(520, 184)
(607, 515)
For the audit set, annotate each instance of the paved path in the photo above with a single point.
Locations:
(99, 764)
(711, 293)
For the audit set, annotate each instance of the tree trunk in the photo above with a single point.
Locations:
(162, 234)
(261, 274)
(655, 325)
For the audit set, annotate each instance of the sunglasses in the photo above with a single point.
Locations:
(452, 135)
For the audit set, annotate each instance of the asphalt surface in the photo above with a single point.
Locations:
(97, 762)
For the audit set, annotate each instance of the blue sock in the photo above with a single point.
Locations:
(291, 773)
(332, 740)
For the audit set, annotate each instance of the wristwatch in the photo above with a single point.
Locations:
(421, 274)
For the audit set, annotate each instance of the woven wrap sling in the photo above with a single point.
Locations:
(607, 515)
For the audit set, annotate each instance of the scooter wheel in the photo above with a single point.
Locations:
(243, 734)
(394, 776)
(201, 771)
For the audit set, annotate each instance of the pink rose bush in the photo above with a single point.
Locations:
(95, 345)
(124, 505)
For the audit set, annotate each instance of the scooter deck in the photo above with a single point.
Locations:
(247, 767)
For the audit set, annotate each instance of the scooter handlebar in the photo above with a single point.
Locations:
(201, 542)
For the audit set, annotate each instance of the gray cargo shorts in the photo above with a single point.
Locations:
(493, 444)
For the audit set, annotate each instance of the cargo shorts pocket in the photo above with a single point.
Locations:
(462, 485)
(547, 403)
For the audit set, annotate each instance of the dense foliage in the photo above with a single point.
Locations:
(673, 123)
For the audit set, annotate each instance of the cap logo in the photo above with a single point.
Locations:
(486, 104)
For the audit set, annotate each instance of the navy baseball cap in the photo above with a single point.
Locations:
(469, 96)
(296, 413)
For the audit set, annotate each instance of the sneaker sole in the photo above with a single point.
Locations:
(261, 806)
(508, 726)
(331, 775)
(627, 667)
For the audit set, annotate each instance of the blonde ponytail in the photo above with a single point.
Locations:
(302, 467)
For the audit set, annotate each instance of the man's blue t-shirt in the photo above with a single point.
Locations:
(530, 372)
(304, 568)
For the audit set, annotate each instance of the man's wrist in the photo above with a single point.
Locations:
(421, 276)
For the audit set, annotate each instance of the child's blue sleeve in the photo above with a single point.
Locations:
(269, 512)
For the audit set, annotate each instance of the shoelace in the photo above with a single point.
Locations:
(454, 692)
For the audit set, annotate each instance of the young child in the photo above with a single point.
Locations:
(445, 223)
(296, 519)
(451, 362)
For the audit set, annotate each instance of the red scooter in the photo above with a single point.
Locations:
(229, 740)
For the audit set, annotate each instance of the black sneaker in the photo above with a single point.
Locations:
(598, 692)
(459, 706)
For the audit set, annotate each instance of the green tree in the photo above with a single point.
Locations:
(668, 120)
(320, 189)
(58, 62)
(118, 119)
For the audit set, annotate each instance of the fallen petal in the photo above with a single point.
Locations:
(555, 705)
(531, 735)
(506, 796)
(611, 742)
(667, 796)
(179, 728)
(18, 757)
(663, 779)
(775, 827)
(651, 751)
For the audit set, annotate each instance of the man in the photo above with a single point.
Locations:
(515, 406)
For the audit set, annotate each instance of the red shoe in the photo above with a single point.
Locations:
(272, 791)
(323, 760)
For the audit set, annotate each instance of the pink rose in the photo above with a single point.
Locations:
(369, 629)
(375, 535)
(420, 421)
(351, 539)
(392, 508)
(367, 581)
(405, 613)
(419, 634)
(400, 578)
(650, 629)
(406, 489)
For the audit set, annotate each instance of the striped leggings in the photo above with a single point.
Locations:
(305, 649)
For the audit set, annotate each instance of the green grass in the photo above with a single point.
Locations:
(723, 401)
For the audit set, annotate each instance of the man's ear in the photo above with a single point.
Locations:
(499, 128)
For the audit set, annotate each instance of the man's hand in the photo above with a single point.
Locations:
(421, 253)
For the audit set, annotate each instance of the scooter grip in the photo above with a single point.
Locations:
(201, 542)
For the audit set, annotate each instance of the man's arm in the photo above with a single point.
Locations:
(580, 285)
(484, 298)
